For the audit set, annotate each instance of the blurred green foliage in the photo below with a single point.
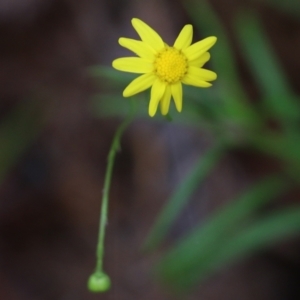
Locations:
(18, 130)
(228, 113)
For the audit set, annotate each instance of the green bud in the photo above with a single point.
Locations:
(99, 282)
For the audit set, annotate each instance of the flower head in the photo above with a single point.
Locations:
(164, 68)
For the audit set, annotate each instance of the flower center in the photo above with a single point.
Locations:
(170, 65)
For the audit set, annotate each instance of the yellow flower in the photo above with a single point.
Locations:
(165, 68)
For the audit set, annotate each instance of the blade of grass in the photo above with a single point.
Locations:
(285, 147)
(263, 233)
(176, 203)
(275, 226)
(117, 77)
(206, 241)
(234, 98)
(291, 7)
(277, 95)
(114, 105)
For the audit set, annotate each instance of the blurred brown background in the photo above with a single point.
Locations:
(50, 198)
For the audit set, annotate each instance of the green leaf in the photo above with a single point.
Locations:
(177, 202)
(274, 227)
(290, 7)
(278, 97)
(119, 78)
(188, 261)
(234, 99)
(114, 105)
(283, 146)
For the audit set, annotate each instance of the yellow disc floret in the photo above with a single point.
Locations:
(170, 65)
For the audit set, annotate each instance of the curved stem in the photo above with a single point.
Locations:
(115, 146)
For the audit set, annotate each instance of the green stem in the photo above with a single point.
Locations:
(107, 181)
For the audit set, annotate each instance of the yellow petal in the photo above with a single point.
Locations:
(138, 47)
(139, 84)
(147, 34)
(195, 81)
(202, 74)
(165, 101)
(196, 50)
(184, 38)
(199, 62)
(176, 90)
(157, 92)
(133, 65)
